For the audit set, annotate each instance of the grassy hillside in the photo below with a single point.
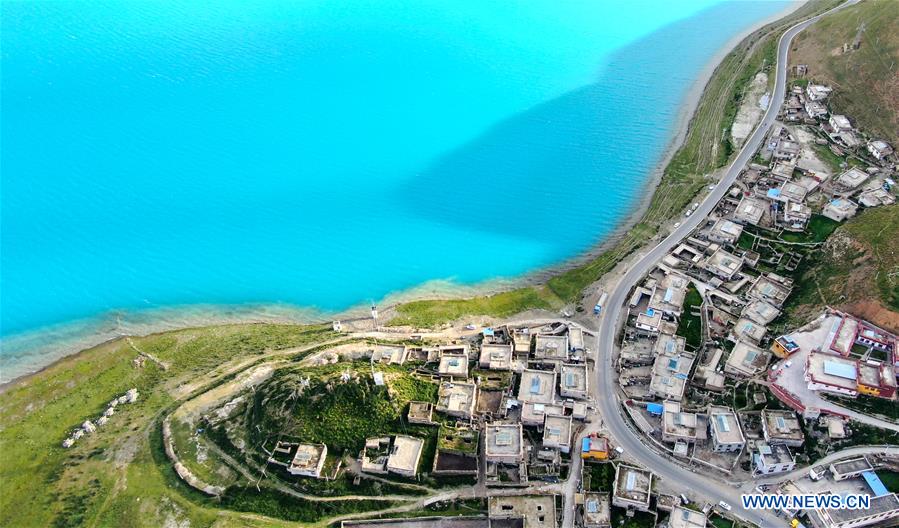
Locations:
(857, 270)
(118, 476)
(705, 149)
(866, 80)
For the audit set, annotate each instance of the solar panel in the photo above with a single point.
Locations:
(592, 506)
(535, 385)
(631, 482)
(841, 370)
(722, 423)
(781, 423)
(569, 379)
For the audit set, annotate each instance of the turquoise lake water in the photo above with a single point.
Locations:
(325, 154)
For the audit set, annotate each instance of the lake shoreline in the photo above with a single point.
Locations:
(68, 339)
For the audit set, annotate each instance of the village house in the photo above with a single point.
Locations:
(457, 399)
(748, 330)
(632, 488)
(521, 341)
(851, 179)
(537, 386)
(840, 209)
(771, 288)
(405, 455)
(504, 443)
(880, 149)
(722, 264)
(551, 348)
(683, 517)
(750, 211)
(557, 433)
(762, 312)
(538, 511)
(594, 447)
(679, 426)
(817, 92)
(495, 356)
(308, 460)
(839, 123)
(725, 232)
(746, 360)
(453, 362)
(782, 427)
(573, 382)
(597, 510)
(671, 368)
(668, 296)
(420, 413)
(727, 436)
(533, 414)
(772, 458)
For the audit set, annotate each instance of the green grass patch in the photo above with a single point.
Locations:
(819, 228)
(690, 326)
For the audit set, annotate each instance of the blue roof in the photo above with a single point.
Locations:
(654, 408)
(875, 484)
(773, 193)
(585, 445)
(842, 370)
(650, 312)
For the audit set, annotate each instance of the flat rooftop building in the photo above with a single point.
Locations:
(682, 517)
(521, 340)
(723, 264)
(496, 357)
(750, 211)
(632, 488)
(825, 372)
(551, 347)
(668, 296)
(453, 363)
(420, 412)
(504, 443)
(725, 232)
(882, 511)
(457, 399)
(597, 510)
(539, 511)
(573, 383)
(762, 312)
(727, 436)
(749, 330)
(793, 192)
(671, 368)
(850, 468)
(679, 426)
(879, 148)
(746, 360)
(537, 386)
(405, 455)
(782, 427)
(576, 339)
(308, 460)
(772, 458)
(532, 414)
(767, 288)
(852, 178)
(649, 320)
(557, 432)
(840, 209)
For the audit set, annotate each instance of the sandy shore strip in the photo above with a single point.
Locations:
(27, 353)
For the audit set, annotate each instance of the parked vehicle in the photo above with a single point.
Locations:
(724, 506)
(599, 304)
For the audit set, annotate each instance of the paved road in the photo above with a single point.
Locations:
(607, 403)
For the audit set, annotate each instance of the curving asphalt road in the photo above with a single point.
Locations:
(607, 388)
